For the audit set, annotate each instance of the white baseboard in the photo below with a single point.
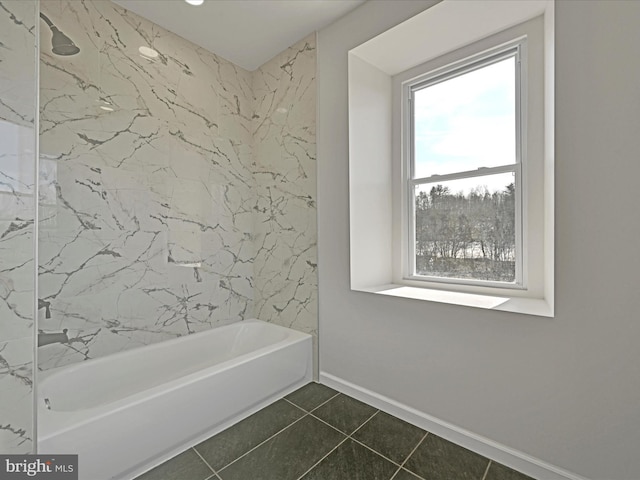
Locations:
(495, 451)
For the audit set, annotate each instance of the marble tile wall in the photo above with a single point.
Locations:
(18, 89)
(284, 128)
(146, 211)
(177, 193)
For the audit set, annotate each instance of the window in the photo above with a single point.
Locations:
(457, 208)
(464, 176)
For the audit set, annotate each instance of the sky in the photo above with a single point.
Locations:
(465, 123)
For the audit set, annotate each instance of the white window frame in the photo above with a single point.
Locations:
(376, 190)
(516, 49)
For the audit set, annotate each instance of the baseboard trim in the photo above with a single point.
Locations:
(519, 461)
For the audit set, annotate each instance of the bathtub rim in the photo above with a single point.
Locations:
(53, 422)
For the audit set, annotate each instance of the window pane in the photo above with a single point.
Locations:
(466, 122)
(466, 228)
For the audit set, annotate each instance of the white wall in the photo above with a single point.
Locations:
(564, 390)
(370, 174)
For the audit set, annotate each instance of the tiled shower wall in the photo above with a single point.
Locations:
(284, 125)
(158, 217)
(145, 232)
(18, 90)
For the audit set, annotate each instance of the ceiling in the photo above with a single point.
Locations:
(246, 32)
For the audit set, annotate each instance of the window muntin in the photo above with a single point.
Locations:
(465, 172)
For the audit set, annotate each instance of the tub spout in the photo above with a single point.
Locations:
(46, 305)
(49, 338)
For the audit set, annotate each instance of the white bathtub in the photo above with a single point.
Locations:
(128, 412)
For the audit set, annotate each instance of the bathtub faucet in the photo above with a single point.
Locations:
(49, 338)
(44, 304)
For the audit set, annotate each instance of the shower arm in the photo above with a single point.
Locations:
(46, 20)
(61, 44)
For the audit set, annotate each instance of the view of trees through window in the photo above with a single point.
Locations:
(467, 236)
(464, 165)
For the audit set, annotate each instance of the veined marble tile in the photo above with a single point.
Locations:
(17, 206)
(16, 287)
(197, 92)
(236, 103)
(16, 385)
(285, 176)
(102, 323)
(109, 66)
(17, 61)
(16, 277)
(91, 263)
(174, 190)
(146, 220)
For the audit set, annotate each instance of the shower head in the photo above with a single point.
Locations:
(60, 43)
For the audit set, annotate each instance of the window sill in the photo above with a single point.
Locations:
(526, 306)
(376, 68)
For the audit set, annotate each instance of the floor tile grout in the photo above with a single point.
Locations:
(486, 470)
(319, 461)
(306, 413)
(364, 423)
(215, 474)
(297, 406)
(347, 437)
(409, 456)
(323, 403)
(335, 428)
(400, 465)
(375, 451)
(265, 441)
(314, 408)
(350, 437)
(371, 448)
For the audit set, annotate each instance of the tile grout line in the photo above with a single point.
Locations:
(266, 440)
(340, 431)
(215, 474)
(349, 437)
(306, 413)
(486, 471)
(363, 424)
(400, 466)
(376, 452)
(314, 408)
(408, 457)
(335, 448)
(297, 406)
(324, 403)
(328, 453)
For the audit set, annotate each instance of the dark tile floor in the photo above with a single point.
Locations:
(316, 433)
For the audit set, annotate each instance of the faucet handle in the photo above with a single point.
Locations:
(46, 305)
